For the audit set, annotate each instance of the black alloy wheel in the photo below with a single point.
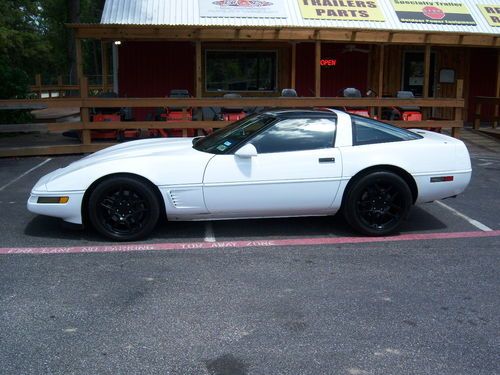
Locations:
(124, 208)
(378, 203)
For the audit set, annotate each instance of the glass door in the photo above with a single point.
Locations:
(413, 73)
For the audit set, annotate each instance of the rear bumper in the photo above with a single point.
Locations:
(430, 191)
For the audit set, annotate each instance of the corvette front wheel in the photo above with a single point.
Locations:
(378, 203)
(123, 208)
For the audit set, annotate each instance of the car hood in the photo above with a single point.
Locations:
(134, 149)
(123, 157)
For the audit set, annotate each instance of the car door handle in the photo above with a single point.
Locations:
(326, 160)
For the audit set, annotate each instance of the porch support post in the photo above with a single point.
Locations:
(317, 76)
(84, 112)
(380, 86)
(427, 69)
(104, 65)
(38, 84)
(467, 84)
(495, 121)
(198, 82)
(60, 84)
(114, 50)
(79, 59)
(455, 132)
(294, 65)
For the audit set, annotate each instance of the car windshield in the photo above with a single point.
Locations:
(226, 139)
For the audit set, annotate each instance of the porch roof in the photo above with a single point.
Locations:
(113, 32)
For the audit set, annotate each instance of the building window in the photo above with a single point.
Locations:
(240, 70)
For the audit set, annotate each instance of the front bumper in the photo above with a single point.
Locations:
(70, 211)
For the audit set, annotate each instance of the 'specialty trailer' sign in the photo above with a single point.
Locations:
(443, 12)
(347, 10)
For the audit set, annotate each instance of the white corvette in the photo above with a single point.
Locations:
(273, 164)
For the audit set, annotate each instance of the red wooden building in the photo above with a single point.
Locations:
(318, 47)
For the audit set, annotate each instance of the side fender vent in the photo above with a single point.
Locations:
(175, 199)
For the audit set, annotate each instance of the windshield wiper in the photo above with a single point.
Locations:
(196, 140)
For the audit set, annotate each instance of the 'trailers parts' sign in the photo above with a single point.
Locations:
(347, 10)
(491, 13)
(445, 12)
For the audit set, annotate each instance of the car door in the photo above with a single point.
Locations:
(295, 171)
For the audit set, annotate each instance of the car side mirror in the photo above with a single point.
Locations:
(247, 151)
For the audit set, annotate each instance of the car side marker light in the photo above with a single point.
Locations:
(442, 179)
(57, 200)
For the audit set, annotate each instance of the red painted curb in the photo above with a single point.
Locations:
(242, 244)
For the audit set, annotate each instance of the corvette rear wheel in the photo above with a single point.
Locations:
(378, 203)
(123, 209)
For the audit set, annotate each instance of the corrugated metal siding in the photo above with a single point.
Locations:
(351, 70)
(152, 69)
(305, 73)
(482, 79)
(186, 12)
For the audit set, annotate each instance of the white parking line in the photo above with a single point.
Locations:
(25, 173)
(209, 232)
(476, 223)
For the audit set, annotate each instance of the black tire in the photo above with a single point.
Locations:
(123, 208)
(377, 203)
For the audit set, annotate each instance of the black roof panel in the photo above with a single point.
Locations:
(297, 113)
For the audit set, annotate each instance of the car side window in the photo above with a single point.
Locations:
(296, 135)
(367, 131)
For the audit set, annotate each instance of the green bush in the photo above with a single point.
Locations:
(14, 85)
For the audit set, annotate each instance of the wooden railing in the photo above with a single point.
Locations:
(86, 103)
(62, 88)
(481, 102)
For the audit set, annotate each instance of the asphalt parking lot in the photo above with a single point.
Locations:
(285, 296)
